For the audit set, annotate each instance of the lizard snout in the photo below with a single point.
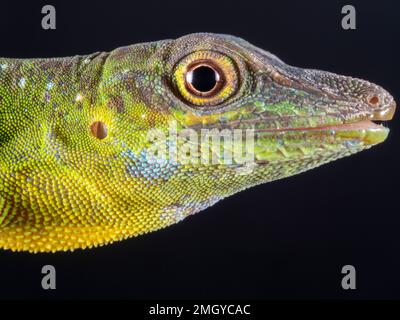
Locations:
(365, 97)
(385, 113)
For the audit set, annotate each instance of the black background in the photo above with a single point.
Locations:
(285, 239)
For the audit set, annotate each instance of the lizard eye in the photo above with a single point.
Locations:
(206, 78)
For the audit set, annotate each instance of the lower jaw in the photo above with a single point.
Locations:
(365, 131)
(301, 143)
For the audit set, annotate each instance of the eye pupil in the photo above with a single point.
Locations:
(203, 78)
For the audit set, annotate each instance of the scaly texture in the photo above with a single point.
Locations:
(76, 169)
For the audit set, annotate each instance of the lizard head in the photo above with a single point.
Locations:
(224, 82)
(269, 120)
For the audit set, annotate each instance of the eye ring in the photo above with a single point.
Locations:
(221, 83)
(199, 65)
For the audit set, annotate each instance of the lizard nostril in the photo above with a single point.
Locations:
(99, 130)
(374, 100)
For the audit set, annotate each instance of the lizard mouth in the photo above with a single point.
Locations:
(364, 130)
(367, 129)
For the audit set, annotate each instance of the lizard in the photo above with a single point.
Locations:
(77, 168)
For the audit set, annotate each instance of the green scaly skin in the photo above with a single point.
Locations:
(64, 186)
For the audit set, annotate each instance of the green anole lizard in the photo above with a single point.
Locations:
(75, 169)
